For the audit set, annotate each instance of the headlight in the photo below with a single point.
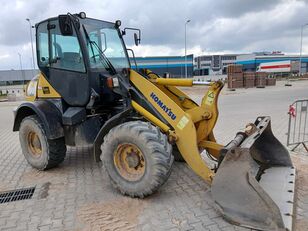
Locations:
(31, 88)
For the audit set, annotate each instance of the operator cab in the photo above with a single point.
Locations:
(80, 57)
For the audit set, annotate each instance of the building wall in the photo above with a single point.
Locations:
(252, 61)
(17, 90)
(174, 65)
(210, 64)
(16, 77)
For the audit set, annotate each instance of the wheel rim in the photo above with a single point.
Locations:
(34, 144)
(129, 161)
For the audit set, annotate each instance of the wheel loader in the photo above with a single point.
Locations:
(87, 94)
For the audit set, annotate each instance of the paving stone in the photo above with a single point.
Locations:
(2, 222)
(198, 226)
(9, 229)
(32, 226)
(147, 227)
(10, 223)
(45, 221)
(56, 223)
(206, 221)
(213, 227)
(221, 222)
(44, 228)
(191, 218)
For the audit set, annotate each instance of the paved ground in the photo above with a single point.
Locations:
(78, 195)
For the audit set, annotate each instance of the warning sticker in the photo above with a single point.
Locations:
(183, 122)
(210, 98)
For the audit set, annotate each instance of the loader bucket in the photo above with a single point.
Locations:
(254, 184)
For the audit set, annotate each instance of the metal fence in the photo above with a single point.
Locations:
(298, 124)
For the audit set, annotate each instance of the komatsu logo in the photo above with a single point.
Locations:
(163, 106)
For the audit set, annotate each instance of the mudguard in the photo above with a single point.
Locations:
(254, 184)
(47, 111)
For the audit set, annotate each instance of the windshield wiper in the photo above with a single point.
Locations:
(108, 65)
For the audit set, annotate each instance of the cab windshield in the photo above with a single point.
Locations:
(103, 42)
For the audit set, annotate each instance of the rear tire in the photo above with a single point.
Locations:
(137, 157)
(40, 152)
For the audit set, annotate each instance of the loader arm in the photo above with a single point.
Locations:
(204, 116)
(253, 185)
(190, 126)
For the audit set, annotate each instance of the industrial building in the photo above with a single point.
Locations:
(173, 65)
(216, 64)
(251, 62)
(212, 64)
(16, 77)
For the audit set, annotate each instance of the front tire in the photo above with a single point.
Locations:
(40, 152)
(137, 157)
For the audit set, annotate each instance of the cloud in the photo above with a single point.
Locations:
(263, 30)
(216, 26)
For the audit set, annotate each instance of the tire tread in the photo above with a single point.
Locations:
(157, 142)
(56, 148)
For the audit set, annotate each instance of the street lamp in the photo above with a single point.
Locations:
(300, 55)
(20, 63)
(185, 48)
(30, 26)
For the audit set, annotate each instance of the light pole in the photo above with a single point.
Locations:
(30, 26)
(20, 63)
(185, 48)
(300, 55)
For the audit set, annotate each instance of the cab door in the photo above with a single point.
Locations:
(61, 59)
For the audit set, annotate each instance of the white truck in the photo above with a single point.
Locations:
(279, 67)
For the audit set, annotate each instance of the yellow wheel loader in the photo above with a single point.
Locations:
(88, 94)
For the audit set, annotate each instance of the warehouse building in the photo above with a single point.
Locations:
(173, 65)
(16, 77)
(251, 62)
(213, 64)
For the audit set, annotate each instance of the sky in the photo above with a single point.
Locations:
(215, 27)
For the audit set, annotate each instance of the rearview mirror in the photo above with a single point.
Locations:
(65, 24)
(137, 37)
(137, 40)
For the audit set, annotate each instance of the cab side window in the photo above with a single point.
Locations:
(65, 50)
(42, 41)
(58, 51)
